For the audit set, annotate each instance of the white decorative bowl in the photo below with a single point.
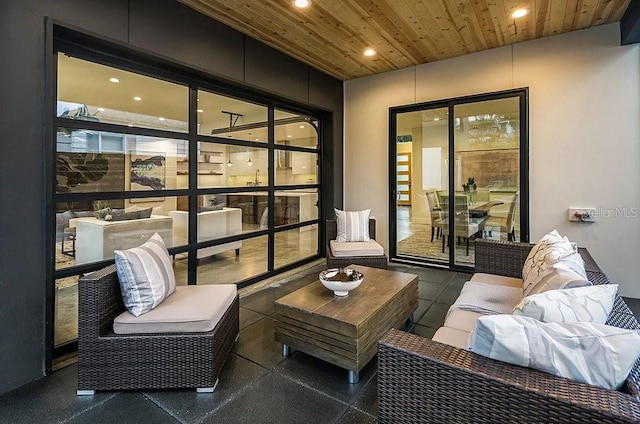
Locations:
(332, 279)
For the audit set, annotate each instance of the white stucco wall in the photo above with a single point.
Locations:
(584, 117)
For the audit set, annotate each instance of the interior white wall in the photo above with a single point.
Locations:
(584, 109)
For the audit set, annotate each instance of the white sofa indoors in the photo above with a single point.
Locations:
(96, 239)
(212, 225)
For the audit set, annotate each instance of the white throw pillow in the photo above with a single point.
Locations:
(582, 304)
(352, 226)
(564, 273)
(589, 353)
(548, 250)
(146, 275)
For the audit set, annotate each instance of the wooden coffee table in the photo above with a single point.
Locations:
(345, 330)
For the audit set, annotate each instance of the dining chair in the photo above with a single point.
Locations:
(466, 227)
(506, 224)
(435, 213)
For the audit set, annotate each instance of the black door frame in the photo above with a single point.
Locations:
(523, 97)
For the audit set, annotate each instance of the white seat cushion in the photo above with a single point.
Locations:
(356, 248)
(460, 319)
(190, 309)
(498, 280)
(452, 337)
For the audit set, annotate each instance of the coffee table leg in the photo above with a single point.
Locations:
(285, 350)
(354, 377)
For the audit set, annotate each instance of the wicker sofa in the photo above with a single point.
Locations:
(425, 381)
(109, 361)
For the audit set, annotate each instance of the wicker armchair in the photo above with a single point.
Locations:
(424, 381)
(109, 361)
(380, 261)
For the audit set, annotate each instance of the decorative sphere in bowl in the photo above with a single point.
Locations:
(341, 280)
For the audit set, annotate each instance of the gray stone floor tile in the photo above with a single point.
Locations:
(422, 331)
(248, 317)
(433, 275)
(434, 317)
(326, 377)
(353, 416)
(238, 373)
(256, 344)
(276, 399)
(264, 300)
(53, 397)
(449, 294)
(429, 291)
(368, 399)
(461, 278)
(423, 305)
(125, 408)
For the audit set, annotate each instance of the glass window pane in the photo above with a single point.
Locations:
(294, 245)
(245, 166)
(224, 116)
(295, 206)
(295, 167)
(95, 161)
(92, 92)
(295, 130)
(66, 310)
(90, 231)
(225, 267)
(253, 206)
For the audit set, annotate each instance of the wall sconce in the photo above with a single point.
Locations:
(229, 163)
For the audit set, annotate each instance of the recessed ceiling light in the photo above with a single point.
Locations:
(301, 3)
(289, 136)
(116, 80)
(519, 13)
(137, 98)
(200, 110)
(100, 109)
(161, 118)
(257, 139)
(301, 126)
(436, 119)
(369, 52)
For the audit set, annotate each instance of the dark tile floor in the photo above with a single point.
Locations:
(257, 384)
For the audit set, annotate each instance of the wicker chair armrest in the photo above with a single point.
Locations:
(421, 380)
(501, 257)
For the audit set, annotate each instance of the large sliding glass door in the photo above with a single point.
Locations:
(469, 162)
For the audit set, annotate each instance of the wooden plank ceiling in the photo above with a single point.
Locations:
(331, 35)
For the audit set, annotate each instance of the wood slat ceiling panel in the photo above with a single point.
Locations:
(331, 35)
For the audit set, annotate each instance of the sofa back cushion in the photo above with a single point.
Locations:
(581, 304)
(146, 275)
(589, 353)
(353, 225)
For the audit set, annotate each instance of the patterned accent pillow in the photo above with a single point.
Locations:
(548, 250)
(567, 272)
(582, 304)
(145, 274)
(352, 226)
(589, 353)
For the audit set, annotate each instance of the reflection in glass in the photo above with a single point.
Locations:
(66, 310)
(293, 168)
(91, 92)
(294, 245)
(224, 116)
(94, 161)
(225, 267)
(296, 130)
(422, 140)
(89, 232)
(295, 206)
